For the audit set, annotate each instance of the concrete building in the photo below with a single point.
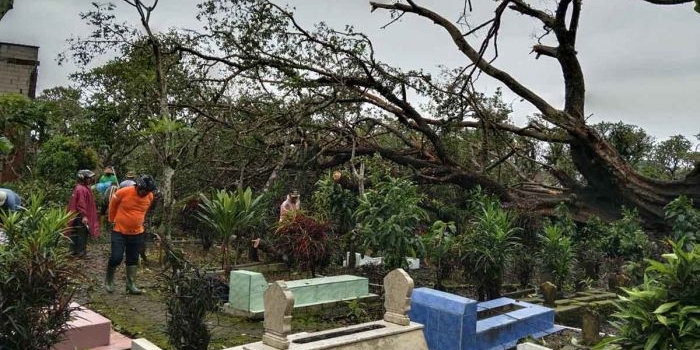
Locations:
(18, 69)
(18, 73)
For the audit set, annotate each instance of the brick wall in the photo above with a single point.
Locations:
(18, 69)
(18, 73)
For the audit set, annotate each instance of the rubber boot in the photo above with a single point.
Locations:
(130, 280)
(109, 279)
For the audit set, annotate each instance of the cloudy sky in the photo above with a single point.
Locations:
(642, 62)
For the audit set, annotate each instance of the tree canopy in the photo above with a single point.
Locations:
(255, 96)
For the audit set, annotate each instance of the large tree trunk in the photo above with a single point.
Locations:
(168, 200)
(612, 183)
(609, 180)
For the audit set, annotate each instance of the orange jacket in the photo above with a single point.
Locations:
(127, 210)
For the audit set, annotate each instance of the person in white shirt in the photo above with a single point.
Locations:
(291, 204)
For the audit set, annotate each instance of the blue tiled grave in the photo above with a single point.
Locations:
(449, 320)
(525, 319)
(454, 322)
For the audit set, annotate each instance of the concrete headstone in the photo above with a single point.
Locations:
(398, 286)
(279, 302)
(549, 293)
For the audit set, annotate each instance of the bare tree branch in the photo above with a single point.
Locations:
(668, 2)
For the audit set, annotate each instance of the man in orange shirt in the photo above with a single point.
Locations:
(127, 211)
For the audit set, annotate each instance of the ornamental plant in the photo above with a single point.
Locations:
(231, 215)
(685, 220)
(189, 298)
(304, 240)
(439, 244)
(489, 245)
(664, 312)
(389, 217)
(37, 281)
(558, 254)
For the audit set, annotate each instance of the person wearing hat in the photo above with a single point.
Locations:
(107, 179)
(129, 181)
(127, 211)
(9, 200)
(82, 204)
(291, 204)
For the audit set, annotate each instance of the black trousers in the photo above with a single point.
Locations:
(78, 238)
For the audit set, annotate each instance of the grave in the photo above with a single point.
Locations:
(394, 332)
(453, 322)
(247, 288)
(90, 330)
(568, 311)
(366, 260)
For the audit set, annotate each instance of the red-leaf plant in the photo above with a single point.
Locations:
(304, 240)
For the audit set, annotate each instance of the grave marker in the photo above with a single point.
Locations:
(278, 315)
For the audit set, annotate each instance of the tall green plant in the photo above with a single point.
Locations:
(685, 220)
(664, 312)
(627, 238)
(36, 280)
(489, 245)
(335, 203)
(439, 245)
(558, 254)
(388, 217)
(231, 214)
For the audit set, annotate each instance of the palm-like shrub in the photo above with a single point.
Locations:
(664, 312)
(388, 217)
(489, 245)
(231, 214)
(558, 254)
(305, 241)
(439, 244)
(36, 279)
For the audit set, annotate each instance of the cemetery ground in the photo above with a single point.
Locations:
(144, 316)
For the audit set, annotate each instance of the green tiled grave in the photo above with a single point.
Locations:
(247, 288)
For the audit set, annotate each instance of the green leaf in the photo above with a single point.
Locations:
(665, 307)
(651, 341)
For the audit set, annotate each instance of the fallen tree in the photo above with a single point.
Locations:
(349, 104)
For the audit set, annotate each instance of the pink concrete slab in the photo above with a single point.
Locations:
(117, 341)
(87, 329)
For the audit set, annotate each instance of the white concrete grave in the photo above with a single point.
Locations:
(366, 260)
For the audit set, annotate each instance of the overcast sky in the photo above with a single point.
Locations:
(641, 62)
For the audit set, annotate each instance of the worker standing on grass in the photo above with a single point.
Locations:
(127, 211)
